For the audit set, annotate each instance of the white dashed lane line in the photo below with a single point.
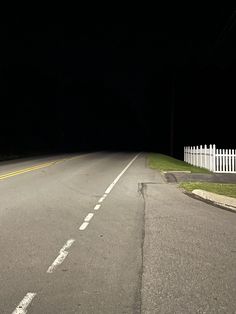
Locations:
(62, 255)
(88, 217)
(97, 206)
(102, 198)
(83, 226)
(22, 306)
(108, 190)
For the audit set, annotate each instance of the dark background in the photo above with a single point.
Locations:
(156, 82)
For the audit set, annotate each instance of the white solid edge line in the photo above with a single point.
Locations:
(83, 226)
(62, 255)
(88, 217)
(21, 308)
(97, 206)
(110, 187)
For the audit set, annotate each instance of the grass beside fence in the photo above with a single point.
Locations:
(218, 188)
(167, 163)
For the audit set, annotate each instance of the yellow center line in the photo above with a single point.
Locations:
(36, 167)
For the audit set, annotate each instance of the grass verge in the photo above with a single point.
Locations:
(218, 188)
(167, 163)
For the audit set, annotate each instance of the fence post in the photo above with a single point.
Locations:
(210, 157)
(226, 160)
(233, 161)
(192, 155)
(197, 156)
(220, 157)
(230, 161)
(205, 156)
(214, 158)
(223, 164)
(201, 156)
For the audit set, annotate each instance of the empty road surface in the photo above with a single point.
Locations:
(72, 239)
(71, 234)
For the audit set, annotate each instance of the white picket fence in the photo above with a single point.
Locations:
(215, 160)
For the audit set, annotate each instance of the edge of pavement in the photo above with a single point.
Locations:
(180, 247)
(225, 202)
(217, 199)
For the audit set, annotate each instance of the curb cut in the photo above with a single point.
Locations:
(221, 200)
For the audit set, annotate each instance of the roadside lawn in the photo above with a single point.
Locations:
(167, 163)
(218, 188)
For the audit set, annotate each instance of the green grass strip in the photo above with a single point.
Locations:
(167, 163)
(218, 188)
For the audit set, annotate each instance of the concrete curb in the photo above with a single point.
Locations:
(177, 171)
(221, 200)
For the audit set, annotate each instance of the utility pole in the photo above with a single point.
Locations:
(172, 114)
(228, 27)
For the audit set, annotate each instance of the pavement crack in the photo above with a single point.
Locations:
(141, 189)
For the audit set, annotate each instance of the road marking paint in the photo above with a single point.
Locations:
(97, 206)
(36, 167)
(22, 306)
(83, 226)
(15, 173)
(24, 170)
(108, 190)
(62, 255)
(110, 187)
(88, 217)
(102, 198)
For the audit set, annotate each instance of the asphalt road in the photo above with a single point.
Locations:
(52, 260)
(72, 240)
(189, 254)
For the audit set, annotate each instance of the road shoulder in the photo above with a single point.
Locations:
(215, 199)
(188, 250)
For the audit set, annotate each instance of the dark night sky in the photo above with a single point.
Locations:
(112, 84)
